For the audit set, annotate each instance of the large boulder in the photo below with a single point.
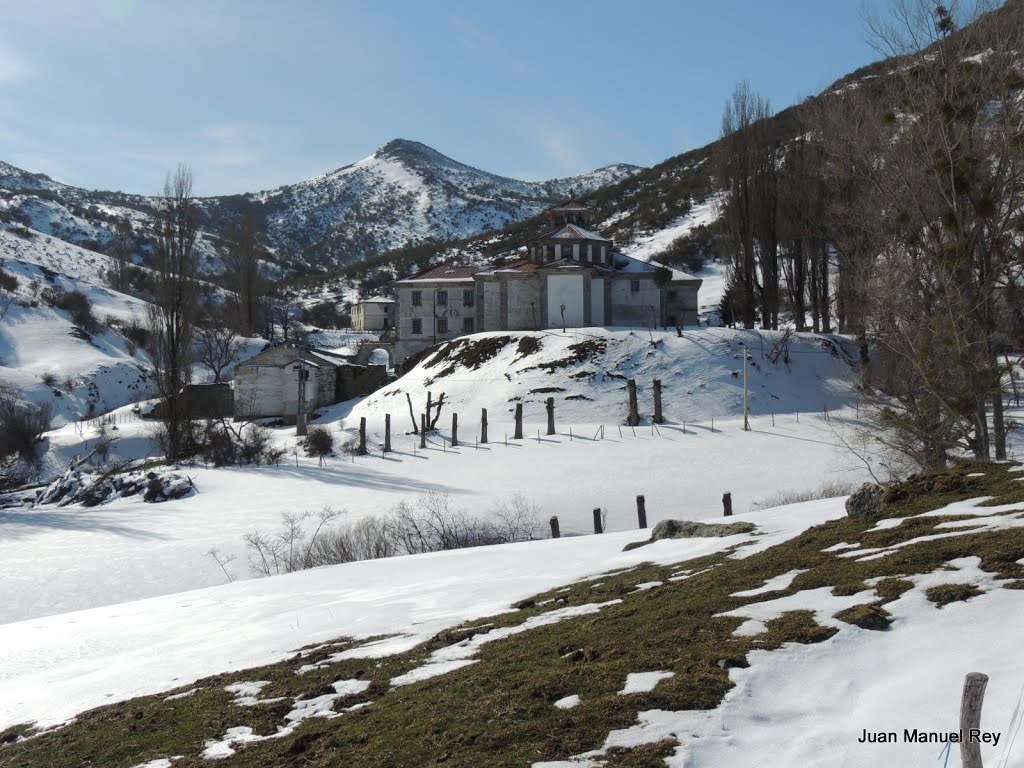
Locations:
(865, 501)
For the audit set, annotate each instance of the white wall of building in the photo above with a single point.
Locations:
(567, 290)
(597, 301)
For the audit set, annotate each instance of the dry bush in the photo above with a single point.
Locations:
(432, 523)
(22, 425)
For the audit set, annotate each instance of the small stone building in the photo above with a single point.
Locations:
(570, 277)
(267, 385)
(373, 314)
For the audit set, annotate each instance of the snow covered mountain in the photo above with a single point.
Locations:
(405, 193)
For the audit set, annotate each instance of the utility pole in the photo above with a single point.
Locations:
(746, 393)
(300, 400)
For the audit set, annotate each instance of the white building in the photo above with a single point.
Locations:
(571, 277)
(373, 314)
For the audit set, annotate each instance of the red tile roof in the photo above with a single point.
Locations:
(444, 272)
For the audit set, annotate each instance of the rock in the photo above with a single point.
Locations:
(688, 529)
(865, 501)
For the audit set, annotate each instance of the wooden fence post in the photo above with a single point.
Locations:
(598, 528)
(658, 417)
(362, 435)
(970, 718)
(423, 430)
(551, 415)
(483, 426)
(634, 411)
(727, 504)
(641, 511)
(455, 430)
(518, 434)
(555, 533)
(387, 433)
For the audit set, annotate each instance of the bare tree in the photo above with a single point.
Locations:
(941, 163)
(217, 347)
(120, 248)
(172, 315)
(746, 167)
(243, 260)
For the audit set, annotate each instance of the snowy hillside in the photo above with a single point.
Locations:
(403, 194)
(44, 355)
(585, 370)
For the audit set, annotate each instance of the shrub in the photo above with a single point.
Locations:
(22, 425)
(76, 303)
(430, 524)
(49, 379)
(8, 282)
(319, 442)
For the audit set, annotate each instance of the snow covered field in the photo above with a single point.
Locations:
(797, 706)
(128, 549)
(54, 667)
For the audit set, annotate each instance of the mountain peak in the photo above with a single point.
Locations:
(406, 149)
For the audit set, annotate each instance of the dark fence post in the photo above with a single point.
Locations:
(970, 718)
(423, 430)
(455, 430)
(641, 511)
(598, 528)
(362, 435)
(727, 504)
(634, 411)
(518, 434)
(483, 426)
(387, 433)
(658, 418)
(555, 533)
(551, 415)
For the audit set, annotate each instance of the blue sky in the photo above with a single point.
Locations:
(109, 94)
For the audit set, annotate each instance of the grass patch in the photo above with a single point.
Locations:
(500, 711)
(944, 594)
(469, 353)
(890, 588)
(528, 345)
(582, 351)
(867, 616)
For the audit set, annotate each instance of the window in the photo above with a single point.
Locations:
(468, 297)
(417, 298)
(442, 325)
(468, 325)
(442, 298)
(417, 327)
(634, 286)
